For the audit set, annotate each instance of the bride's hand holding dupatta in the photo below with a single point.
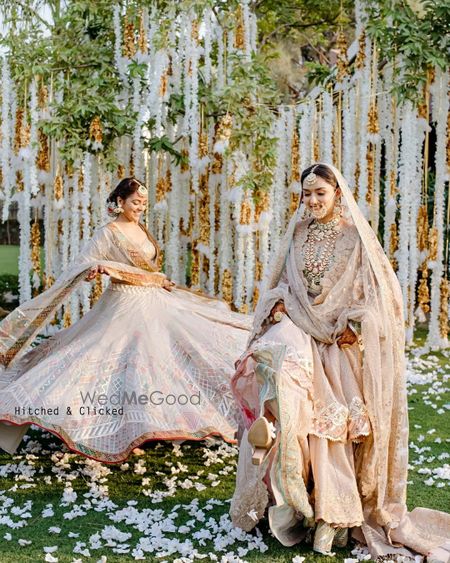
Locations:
(168, 284)
(347, 338)
(277, 308)
(94, 271)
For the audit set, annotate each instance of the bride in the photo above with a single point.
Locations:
(322, 389)
(149, 361)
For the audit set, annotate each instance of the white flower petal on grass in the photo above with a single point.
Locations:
(139, 467)
(200, 487)
(298, 559)
(50, 559)
(138, 554)
(47, 512)
(442, 472)
(22, 542)
(69, 496)
(7, 536)
(54, 530)
(51, 549)
(112, 533)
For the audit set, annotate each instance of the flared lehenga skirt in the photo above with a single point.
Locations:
(143, 364)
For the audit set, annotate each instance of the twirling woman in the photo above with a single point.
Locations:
(322, 389)
(149, 361)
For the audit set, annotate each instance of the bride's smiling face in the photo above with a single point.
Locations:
(133, 206)
(319, 198)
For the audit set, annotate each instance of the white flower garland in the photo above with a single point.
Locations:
(23, 216)
(250, 257)
(65, 216)
(213, 187)
(253, 27)
(137, 143)
(348, 136)
(104, 190)
(119, 59)
(192, 125)
(364, 104)
(326, 133)
(389, 129)
(207, 42)
(405, 202)
(86, 231)
(247, 30)
(27, 163)
(49, 240)
(291, 116)
(279, 182)
(34, 118)
(239, 249)
(230, 51)
(173, 243)
(74, 246)
(410, 174)
(440, 108)
(220, 58)
(420, 126)
(305, 134)
(225, 253)
(187, 58)
(8, 91)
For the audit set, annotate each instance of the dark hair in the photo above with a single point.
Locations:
(323, 171)
(124, 189)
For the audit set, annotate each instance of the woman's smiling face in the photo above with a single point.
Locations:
(319, 198)
(133, 206)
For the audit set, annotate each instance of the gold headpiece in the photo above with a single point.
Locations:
(142, 190)
(311, 178)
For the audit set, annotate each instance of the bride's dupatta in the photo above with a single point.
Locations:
(108, 248)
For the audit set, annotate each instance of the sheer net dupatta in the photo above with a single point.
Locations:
(367, 291)
(20, 327)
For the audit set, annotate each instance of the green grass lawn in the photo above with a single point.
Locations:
(9, 259)
(182, 493)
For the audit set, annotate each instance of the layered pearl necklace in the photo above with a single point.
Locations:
(316, 261)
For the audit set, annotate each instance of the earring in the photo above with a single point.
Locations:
(306, 214)
(338, 209)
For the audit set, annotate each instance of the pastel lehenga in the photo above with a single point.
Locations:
(340, 447)
(172, 353)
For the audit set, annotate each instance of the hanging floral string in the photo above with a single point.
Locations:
(187, 150)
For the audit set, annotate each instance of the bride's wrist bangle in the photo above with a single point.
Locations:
(278, 316)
